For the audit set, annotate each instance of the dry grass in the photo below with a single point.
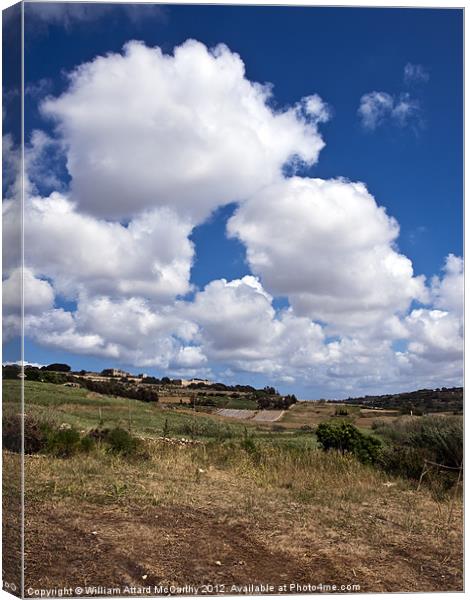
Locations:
(328, 513)
(11, 514)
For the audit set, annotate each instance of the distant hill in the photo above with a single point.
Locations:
(438, 400)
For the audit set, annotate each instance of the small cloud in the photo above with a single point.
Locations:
(317, 109)
(65, 13)
(415, 74)
(8, 96)
(415, 234)
(375, 108)
(140, 13)
(39, 89)
(405, 109)
(68, 14)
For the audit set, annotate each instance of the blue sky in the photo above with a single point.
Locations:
(411, 161)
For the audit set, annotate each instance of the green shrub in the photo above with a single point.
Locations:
(344, 437)
(117, 441)
(11, 372)
(144, 393)
(86, 444)
(43, 436)
(405, 461)
(441, 436)
(122, 442)
(203, 401)
(166, 429)
(63, 442)
(35, 433)
(51, 377)
(368, 448)
(411, 441)
(249, 445)
(11, 433)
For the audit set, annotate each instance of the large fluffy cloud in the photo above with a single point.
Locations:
(38, 294)
(236, 316)
(447, 291)
(436, 334)
(232, 325)
(151, 256)
(189, 130)
(329, 248)
(129, 331)
(238, 325)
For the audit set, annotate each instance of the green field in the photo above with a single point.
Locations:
(228, 401)
(87, 410)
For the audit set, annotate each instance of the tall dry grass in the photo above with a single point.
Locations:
(411, 441)
(276, 488)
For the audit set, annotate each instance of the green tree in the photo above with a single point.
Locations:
(61, 367)
(344, 437)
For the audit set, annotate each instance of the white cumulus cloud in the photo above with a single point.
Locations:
(151, 256)
(435, 335)
(328, 247)
(38, 294)
(447, 291)
(188, 130)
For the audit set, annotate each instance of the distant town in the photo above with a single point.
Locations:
(148, 388)
(142, 378)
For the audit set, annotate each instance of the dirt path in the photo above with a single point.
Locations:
(160, 547)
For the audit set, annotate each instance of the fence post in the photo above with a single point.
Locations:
(423, 473)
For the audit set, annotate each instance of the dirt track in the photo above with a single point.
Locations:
(173, 548)
(108, 546)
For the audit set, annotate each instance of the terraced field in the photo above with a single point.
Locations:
(264, 416)
(235, 413)
(268, 416)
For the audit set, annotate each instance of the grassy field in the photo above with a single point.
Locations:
(310, 414)
(87, 410)
(215, 400)
(222, 510)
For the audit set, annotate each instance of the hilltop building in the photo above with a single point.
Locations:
(115, 373)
